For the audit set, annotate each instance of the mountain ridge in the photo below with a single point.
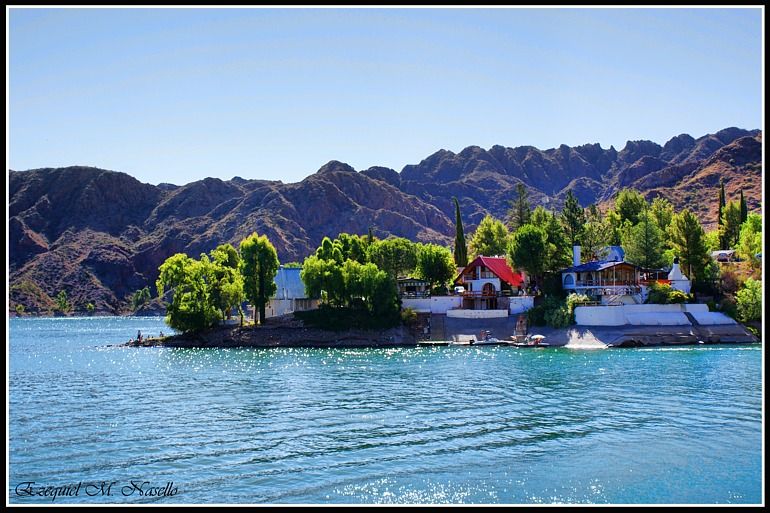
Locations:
(101, 234)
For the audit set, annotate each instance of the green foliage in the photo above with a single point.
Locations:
(292, 265)
(353, 285)
(227, 290)
(409, 317)
(663, 294)
(613, 227)
(344, 318)
(662, 210)
(62, 304)
(191, 308)
(712, 240)
(595, 239)
(19, 309)
(555, 312)
(721, 200)
(750, 240)
(528, 249)
(629, 204)
(435, 264)
(643, 243)
(688, 241)
(395, 255)
(573, 218)
(744, 208)
(749, 300)
(558, 253)
(521, 211)
(540, 217)
(461, 248)
(490, 238)
(90, 308)
(730, 228)
(258, 266)
(558, 317)
(140, 298)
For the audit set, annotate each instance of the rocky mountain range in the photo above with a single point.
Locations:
(101, 235)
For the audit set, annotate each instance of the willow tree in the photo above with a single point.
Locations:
(461, 248)
(259, 264)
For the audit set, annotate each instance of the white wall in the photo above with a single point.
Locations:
(639, 315)
(521, 304)
(436, 304)
(478, 285)
(477, 314)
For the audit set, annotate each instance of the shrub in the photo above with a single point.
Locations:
(559, 317)
(749, 300)
(663, 294)
(677, 296)
(409, 316)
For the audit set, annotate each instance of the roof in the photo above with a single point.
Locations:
(598, 265)
(288, 284)
(722, 252)
(497, 265)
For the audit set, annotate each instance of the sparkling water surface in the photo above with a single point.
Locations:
(400, 425)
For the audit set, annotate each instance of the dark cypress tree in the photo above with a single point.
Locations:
(722, 243)
(744, 209)
(722, 202)
(461, 249)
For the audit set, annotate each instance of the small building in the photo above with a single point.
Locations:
(413, 288)
(486, 279)
(290, 293)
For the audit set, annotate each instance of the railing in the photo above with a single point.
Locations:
(415, 295)
(606, 283)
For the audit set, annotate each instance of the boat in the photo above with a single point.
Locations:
(529, 341)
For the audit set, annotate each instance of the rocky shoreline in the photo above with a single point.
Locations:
(283, 333)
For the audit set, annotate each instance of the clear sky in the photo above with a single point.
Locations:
(176, 95)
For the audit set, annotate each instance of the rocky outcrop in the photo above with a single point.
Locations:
(101, 235)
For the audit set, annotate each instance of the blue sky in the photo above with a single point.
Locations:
(176, 95)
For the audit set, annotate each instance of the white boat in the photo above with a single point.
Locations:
(529, 341)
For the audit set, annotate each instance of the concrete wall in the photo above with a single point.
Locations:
(519, 304)
(712, 318)
(477, 314)
(436, 304)
(478, 285)
(639, 315)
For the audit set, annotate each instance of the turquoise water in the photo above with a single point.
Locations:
(405, 425)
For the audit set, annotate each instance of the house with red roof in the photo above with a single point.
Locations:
(485, 280)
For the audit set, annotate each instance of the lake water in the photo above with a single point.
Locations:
(405, 425)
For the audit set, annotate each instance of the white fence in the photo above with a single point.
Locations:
(642, 315)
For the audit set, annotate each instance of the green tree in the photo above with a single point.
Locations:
(688, 241)
(629, 204)
(352, 247)
(323, 280)
(744, 208)
(395, 255)
(62, 303)
(573, 218)
(749, 300)
(490, 238)
(613, 227)
(558, 254)
(593, 214)
(461, 248)
(227, 286)
(730, 229)
(259, 264)
(19, 309)
(140, 298)
(528, 250)
(520, 212)
(595, 240)
(191, 308)
(662, 210)
(750, 239)
(90, 308)
(712, 240)
(435, 265)
(722, 201)
(540, 217)
(644, 243)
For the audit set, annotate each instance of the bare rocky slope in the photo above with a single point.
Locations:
(100, 235)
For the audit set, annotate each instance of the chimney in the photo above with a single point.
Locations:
(575, 255)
